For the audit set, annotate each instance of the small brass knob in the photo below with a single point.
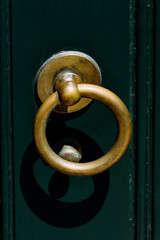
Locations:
(66, 86)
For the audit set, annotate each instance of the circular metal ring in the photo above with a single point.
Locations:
(99, 165)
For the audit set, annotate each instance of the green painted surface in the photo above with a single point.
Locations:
(39, 203)
(156, 192)
(86, 210)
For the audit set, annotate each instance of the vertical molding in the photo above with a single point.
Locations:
(6, 121)
(149, 119)
(132, 74)
(142, 112)
(145, 114)
(156, 146)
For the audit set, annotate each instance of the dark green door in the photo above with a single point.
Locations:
(39, 203)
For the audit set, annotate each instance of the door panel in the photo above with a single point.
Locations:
(40, 29)
(38, 202)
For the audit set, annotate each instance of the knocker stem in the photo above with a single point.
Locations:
(66, 86)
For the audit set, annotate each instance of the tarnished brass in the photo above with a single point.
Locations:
(69, 153)
(84, 70)
(99, 165)
(66, 76)
(66, 86)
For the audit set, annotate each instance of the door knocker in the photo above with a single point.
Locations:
(66, 83)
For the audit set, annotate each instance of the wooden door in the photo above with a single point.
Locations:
(122, 203)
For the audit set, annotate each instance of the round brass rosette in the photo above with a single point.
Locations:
(80, 64)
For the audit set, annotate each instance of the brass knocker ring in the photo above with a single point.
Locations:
(99, 165)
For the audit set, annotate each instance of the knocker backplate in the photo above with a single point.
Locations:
(80, 63)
